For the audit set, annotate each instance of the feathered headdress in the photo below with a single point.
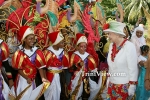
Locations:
(91, 36)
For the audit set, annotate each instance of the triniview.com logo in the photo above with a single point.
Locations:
(101, 73)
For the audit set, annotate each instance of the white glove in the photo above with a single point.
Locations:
(131, 90)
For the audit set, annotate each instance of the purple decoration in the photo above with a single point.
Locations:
(1, 95)
(69, 15)
(38, 8)
(86, 62)
(34, 86)
(33, 57)
(60, 58)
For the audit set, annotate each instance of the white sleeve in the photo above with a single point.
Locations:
(139, 59)
(132, 62)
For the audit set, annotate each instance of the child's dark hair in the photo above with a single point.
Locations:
(144, 48)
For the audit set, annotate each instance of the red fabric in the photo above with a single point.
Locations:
(53, 36)
(50, 76)
(65, 60)
(40, 61)
(117, 91)
(91, 50)
(39, 29)
(115, 50)
(53, 61)
(29, 68)
(1, 2)
(17, 15)
(21, 32)
(16, 60)
(61, 2)
(78, 35)
(103, 66)
(105, 26)
(62, 15)
(5, 50)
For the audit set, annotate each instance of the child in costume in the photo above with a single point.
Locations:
(141, 92)
(6, 81)
(57, 61)
(82, 85)
(29, 60)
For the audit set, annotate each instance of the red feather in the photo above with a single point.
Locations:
(18, 15)
(60, 2)
(91, 37)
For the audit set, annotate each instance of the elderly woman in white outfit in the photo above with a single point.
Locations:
(122, 61)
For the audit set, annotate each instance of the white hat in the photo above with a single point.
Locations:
(24, 31)
(115, 27)
(55, 37)
(80, 38)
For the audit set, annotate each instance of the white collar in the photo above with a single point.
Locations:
(1, 41)
(56, 52)
(82, 56)
(29, 53)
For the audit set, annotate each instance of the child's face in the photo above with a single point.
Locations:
(146, 52)
(82, 47)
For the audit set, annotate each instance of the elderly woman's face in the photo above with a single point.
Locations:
(112, 36)
(139, 33)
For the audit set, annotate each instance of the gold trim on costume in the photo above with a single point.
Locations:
(93, 61)
(44, 88)
(20, 61)
(15, 56)
(66, 55)
(22, 93)
(5, 51)
(71, 60)
(8, 73)
(48, 56)
(11, 97)
(39, 59)
(30, 72)
(76, 90)
(55, 71)
(103, 85)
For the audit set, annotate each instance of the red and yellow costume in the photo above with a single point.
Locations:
(54, 63)
(82, 82)
(57, 62)
(29, 61)
(4, 54)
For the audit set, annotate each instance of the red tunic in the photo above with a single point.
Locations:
(54, 62)
(76, 59)
(4, 56)
(22, 61)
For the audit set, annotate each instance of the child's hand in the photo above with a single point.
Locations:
(11, 83)
(81, 63)
(142, 63)
(29, 81)
(44, 80)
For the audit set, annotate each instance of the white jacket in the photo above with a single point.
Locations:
(125, 64)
